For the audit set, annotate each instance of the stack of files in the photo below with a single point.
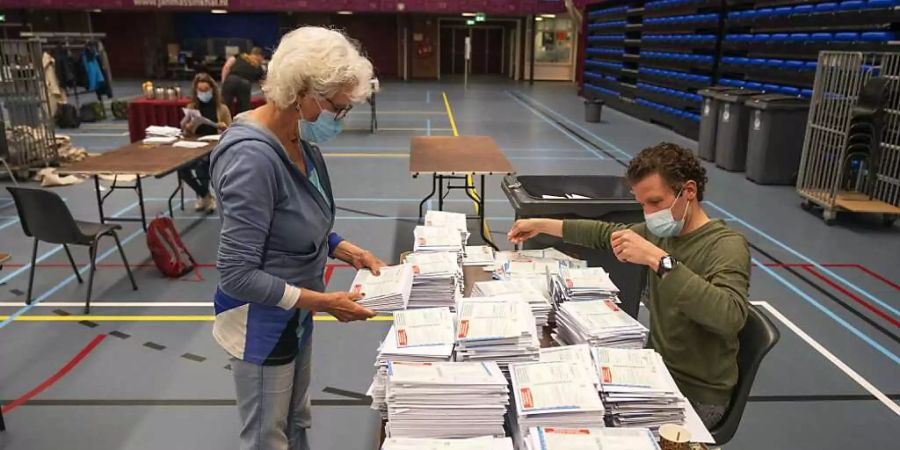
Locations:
(590, 439)
(540, 306)
(444, 219)
(637, 389)
(552, 394)
(598, 324)
(479, 255)
(437, 239)
(591, 283)
(164, 131)
(525, 268)
(482, 443)
(446, 399)
(388, 291)
(544, 254)
(495, 330)
(578, 355)
(437, 279)
(423, 335)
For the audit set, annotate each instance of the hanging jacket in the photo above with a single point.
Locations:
(55, 93)
(65, 68)
(95, 80)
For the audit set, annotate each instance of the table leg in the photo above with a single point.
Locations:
(425, 200)
(481, 215)
(140, 190)
(440, 179)
(99, 198)
(178, 189)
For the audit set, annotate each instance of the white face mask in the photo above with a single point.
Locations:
(663, 224)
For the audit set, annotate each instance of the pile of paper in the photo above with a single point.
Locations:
(482, 443)
(388, 291)
(422, 335)
(553, 394)
(590, 439)
(495, 330)
(578, 355)
(637, 389)
(585, 284)
(446, 399)
(167, 131)
(437, 279)
(540, 306)
(478, 255)
(599, 324)
(546, 254)
(437, 239)
(444, 219)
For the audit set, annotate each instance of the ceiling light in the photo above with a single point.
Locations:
(345, 13)
(219, 11)
(538, 19)
(469, 14)
(96, 10)
(548, 16)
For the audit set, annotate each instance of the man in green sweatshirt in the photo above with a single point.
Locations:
(698, 295)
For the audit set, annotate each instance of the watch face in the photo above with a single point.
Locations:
(667, 263)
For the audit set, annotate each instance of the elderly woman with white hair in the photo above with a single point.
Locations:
(277, 213)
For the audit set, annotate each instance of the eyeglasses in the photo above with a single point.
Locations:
(339, 111)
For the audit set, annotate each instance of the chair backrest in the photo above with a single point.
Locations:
(45, 216)
(757, 337)
(872, 97)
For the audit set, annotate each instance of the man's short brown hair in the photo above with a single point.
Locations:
(676, 165)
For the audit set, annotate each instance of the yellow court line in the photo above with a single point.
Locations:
(367, 155)
(450, 115)
(411, 112)
(155, 318)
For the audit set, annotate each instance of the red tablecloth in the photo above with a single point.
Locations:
(144, 112)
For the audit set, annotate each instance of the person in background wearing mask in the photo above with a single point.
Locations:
(698, 295)
(238, 75)
(277, 211)
(208, 102)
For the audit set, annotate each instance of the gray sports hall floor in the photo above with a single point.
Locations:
(149, 382)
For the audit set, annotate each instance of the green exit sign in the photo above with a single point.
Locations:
(470, 22)
(2, 17)
(480, 17)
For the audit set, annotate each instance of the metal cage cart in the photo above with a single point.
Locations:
(26, 129)
(851, 151)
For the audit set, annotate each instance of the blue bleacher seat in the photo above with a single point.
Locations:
(771, 87)
(810, 65)
(742, 61)
(880, 4)
(753, 85)
(793, 65)
(729, 60)
(826, 7)
(764, 12)
(739, 83)
(774, 63)
(761, 37)
(735, 14)
(790, 90)
(846, 36)
(779, 37)
(783, 10)
(803, 9)
(758, 62)
(798, 37)
(821, 37)
(849, 5)
(806, 93)
(878, 36)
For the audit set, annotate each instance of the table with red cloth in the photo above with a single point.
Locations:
(143, 112)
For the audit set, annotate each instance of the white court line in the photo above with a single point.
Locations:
(115, 304)
(124, 133)
(834, 359)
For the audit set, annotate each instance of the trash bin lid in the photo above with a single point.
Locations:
(736, 95)
(777, 101)
(713, 90)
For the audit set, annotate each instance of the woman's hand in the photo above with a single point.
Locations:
(366, 260)
(221, 126)
(343, 306)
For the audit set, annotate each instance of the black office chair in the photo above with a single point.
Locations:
(45, 217)
(756, 339)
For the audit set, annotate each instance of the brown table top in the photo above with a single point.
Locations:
(457, 155)
(139, 159)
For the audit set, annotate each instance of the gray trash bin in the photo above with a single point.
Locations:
(732, 129)
(611, 200)
(592, 110)
(775, 141)
(709, 119)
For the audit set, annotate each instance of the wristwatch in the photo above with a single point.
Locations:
(666, 263)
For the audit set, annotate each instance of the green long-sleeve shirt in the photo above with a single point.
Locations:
(697, 309)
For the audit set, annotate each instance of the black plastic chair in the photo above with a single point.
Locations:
(45, 217)
(757, 337)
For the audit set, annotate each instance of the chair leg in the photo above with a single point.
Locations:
(2, 423)
(87, 300)
(31, 272)
(72, 262)
(124, 260)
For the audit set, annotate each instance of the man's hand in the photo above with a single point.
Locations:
(366, 260)
(343, 306)
(630, 247)
(221, 126)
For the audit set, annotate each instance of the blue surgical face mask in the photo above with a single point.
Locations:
(324, 129)
(663, 223)
(205, 97)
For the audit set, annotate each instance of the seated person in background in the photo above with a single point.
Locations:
(208, 101)
(698, 294)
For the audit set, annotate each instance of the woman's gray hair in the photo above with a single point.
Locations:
(316, 60)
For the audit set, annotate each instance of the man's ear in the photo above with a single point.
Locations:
(689, 190)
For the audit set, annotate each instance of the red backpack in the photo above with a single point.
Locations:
(170, 255)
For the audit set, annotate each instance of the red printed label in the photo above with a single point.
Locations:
(612, 306)
(569, 283)
(401, 338)
(463, 328)
(416, 270)
(357, 289)
(527, 398)
(567, 430)
(607, 375)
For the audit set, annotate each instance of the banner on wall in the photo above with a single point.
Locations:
(181, 3)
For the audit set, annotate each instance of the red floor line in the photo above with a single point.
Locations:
(869, 272)
(858, 300)
(115, 265)
(56, 377)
